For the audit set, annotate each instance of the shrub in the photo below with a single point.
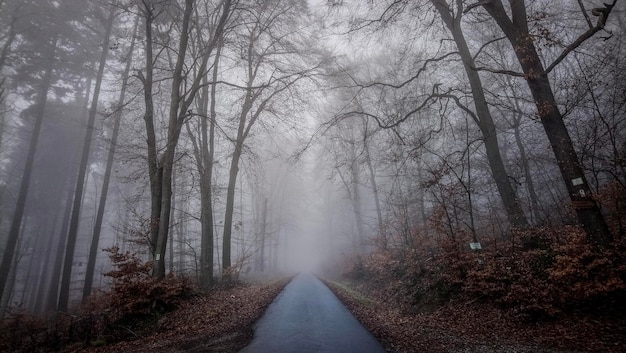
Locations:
(538, 274)
(135, 300)
(589, 278)
(135, 293)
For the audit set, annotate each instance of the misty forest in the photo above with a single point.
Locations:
(438, 164)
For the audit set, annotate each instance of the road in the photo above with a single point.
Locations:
(306, 317)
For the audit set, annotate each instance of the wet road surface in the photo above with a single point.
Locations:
(307, 317)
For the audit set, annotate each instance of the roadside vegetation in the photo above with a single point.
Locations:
(141, 314)
(541, 289)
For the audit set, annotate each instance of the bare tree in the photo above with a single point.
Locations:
(117, 116)
(515, 27)
(82, 171)
(183, 94)
(203, 142)
(482, 117)
(16, 224)
(273, 66)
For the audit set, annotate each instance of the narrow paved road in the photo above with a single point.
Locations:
(306, 318)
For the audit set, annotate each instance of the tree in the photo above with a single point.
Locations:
(482, 116)
(43, 65)
(182, 96)
(274, 64)
(16, 223)
(203, 141)
(117, 116)
(346, 151)
(82, 169)
(516, 29)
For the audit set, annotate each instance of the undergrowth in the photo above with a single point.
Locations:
(537, 273)
(134, 304)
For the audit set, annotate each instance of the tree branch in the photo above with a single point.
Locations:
(477, 4)
(603, 14)
(485, 45)
(584, 11)
(404, 83)
(506, 72)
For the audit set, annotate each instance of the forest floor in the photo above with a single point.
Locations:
(220, 321)
(474, 327)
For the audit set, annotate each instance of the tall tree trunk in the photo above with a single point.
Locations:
(483, 119)
(182, 229)
(230, 206)
(263, 236)
(57, 267)
(175, 124)
(6, 298)
(242, 132)
(44, 273)
(379, 211)
(161, 168)
(530, 185)
(356, 201)
(82, 170)
(516, 31)
(205, 154)
(93, 249)
(174, 220)
(16, 223)
(154, 170)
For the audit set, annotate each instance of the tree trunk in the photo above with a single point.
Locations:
(16, 223)
(379, 212)
(161, 168)
(181, 228)
(55, 275)
(530, 185)
(154, 170)
(230, 205)
(484, 120)
(174, 220)
(207, 155)
(173, 132)
(242, 132)
(93, 249)
(8, 295)
(82, 170)
(516, 31)
(44, 273)
(263, 236)
(356, 202)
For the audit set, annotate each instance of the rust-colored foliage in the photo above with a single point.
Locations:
(135, 292)
(531, 290)
(134, 300)
(535, 273)
(612, 198)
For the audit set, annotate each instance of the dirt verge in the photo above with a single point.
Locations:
(473, 327)
(220, 321)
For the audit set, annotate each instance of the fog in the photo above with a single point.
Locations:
(227, 140)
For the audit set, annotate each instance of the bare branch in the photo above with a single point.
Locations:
(603, 14)
(506, 72)
(388, 14)
(584, 11)
(485, 45)
(462, 106)
(409, 80)
(477, 4)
